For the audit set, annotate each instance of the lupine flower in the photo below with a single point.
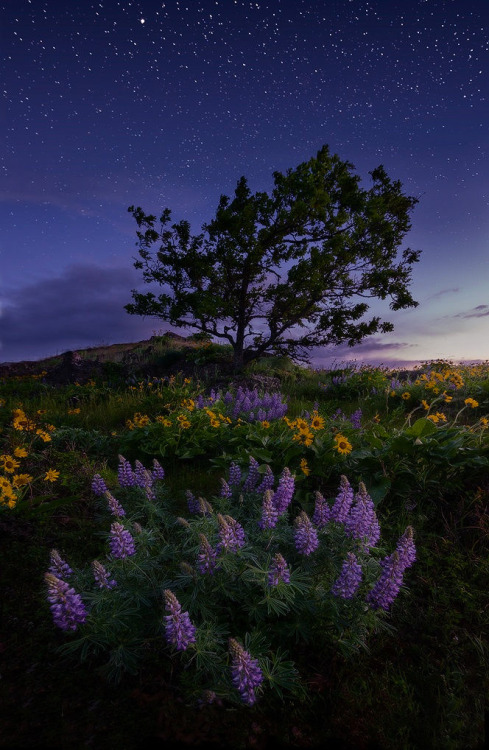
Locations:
(142, 476)
(245, 671)
(322, 511)
(362, 521)
(67, 606)
(179, 631)
(192, 502)
(114, 506)
(305, 535)
(406, 549)
(98, 485)
(342, 504)
(58, 566)
(121, 542)
(102, 576)
(267, 482)
(125, 474)
(206, 559)
(387, 587)
(253, 476)
(356, 419)
(349, 579)
(231, 533)
(269, 513)
(234, 474)
(285, 491)
(204, 506)
(158, 471)
(225, 489)
(278, 571)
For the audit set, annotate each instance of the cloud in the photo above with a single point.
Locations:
(453, 290)
(480, 311)
(83, 307)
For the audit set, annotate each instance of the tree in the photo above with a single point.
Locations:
(283, 272)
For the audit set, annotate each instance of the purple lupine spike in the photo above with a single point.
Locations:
(349, 579)
(98, 485)
(387, 587)
(200, 401)
(269, 513)
(228, 398)
(125, 474)
(231, 533)
(322, 511)
(67, 607)
(158, 471)
(238, 531)
(278, 571)
(149, 493)
(114, 505)
(234, 475)
(142, 476)
(206, 559)
(267, 482)
(204, 506)
(362, 522)
(58, 566)
(285, 491)
(305, 535)
(356, 419)
(406, 549)
(102, 576)
(343, 502)
(245, 671)
(192, 502)
(121, 542)
(179, 631)
(253, 476)
(226, 490)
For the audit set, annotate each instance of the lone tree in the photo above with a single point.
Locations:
(283, 272)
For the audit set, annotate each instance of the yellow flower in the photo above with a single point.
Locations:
(447, 397)
(51, 475)
(343, 445)
(265, 424)
(426, 405)
(50, 427)
(471, 402)
(317, 422)
(304, 467)
(188, 403)
(44, 436)
(187, 381)
(74, 411)
(484, 421)
(185, 424)
(376, 418)
(406, 395)
(433, 418)
(304, 437)
(20, 453)
(215, 422)
(164, 421)
(441, 416)
(5, 484)
(392, 393)
(41, 411)
(19, 480)
(301, 424)
(8, 463)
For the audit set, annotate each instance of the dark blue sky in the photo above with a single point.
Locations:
(113, 103)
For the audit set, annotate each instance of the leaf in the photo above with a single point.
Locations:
(421, 427)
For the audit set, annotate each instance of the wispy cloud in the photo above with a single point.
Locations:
(442, 292)
(480, 311)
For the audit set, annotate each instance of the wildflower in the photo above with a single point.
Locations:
(206, 559)
(433, 418)
(114, 506)
(426, 405)
(192, 503)
(301, 424)
(20, 480)
(343, 445)
(51, 475)
(44, 436)
(8, 463)
(179, 631)
(362, 522)
(234, 474)
(356, 419)
(58, 566)
(269, 514)
(278, 571)
(142, 476)
(447, 398)
(406, 395)
(253, 476)
(245, 671)
(393, 566)
(98, 485)
(343, 502)
(67, 606)
(322, 511)
(471, 402)
(225, 489)
(440, 416)
(164, 421)
(305, 535)
(285, 491)
(406, 548)
(376, 418)
(102, 576)
(349, 579)
(484, 421)
(317, 422)
(304, 437)
(231, 533)
(158, 471)
(121, 542)
(125, 474)
(304, 467)
(20, 453)
(267, 482)
(184, 424)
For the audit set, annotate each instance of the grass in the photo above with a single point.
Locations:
(421, 683)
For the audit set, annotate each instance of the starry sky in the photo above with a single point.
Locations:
(166, 104)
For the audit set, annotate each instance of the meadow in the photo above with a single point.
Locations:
(293, 556)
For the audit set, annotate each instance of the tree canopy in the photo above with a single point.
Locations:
(284, 271)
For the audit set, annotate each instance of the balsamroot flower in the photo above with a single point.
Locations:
(179, 631)
(245, 671)
(269, 513)
(121, 542)
(115, 507)
(231, 533)
(343, 502)
(393, 566)
(125, 474)
(58, 566)
(67, 606)
(98, 485)
(206, 559)
(362, 522)
(278, 571)
(349, 579)
(102, 576)
(305, 535)
(322, 511)
(285, 491)
(253, 476)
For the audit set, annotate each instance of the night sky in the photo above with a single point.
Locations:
(166, 104)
